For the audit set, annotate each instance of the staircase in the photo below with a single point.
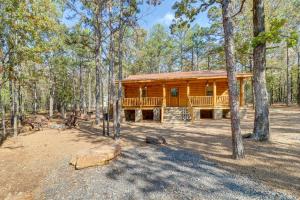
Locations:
(176, 114)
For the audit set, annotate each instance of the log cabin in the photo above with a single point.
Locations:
(179, 96)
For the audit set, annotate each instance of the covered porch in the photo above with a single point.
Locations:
(208, 94)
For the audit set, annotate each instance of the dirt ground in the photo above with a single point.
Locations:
(26, 160)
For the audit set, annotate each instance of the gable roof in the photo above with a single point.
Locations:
(203, 74)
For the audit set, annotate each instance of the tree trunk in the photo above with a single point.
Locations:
(102, 106)
(63, 110)
(261, 121)
(2, 111)
(252, 88)
(298, 98)
(81, 88)
(51, 97)
(98, 80)
(193, 59)
(237, 143)
(89, 91)
(11, 98)
(208, 62)
(288, 78)
(74, 91)
(120, 57)
(16, 109)
(35, 98)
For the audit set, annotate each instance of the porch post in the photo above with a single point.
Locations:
(188, 91)
(140, 95)
(242, 96)
(214, 94)
(163, 103)
(164, 94)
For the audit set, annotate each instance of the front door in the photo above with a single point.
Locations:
(174, 97)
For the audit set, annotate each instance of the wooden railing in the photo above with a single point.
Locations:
(151, 101)
(198, 101)
(223, 100)
(145, 101)
(201, 100)
(131, 102)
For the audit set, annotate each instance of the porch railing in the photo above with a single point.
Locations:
(201, 100)
(223, 100)
(131, 102)
(198, 101)
(145, 101)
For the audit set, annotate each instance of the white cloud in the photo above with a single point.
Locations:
(167, 19)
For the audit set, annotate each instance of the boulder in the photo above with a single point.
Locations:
(156, 140)
(95, 156)
(25, 128)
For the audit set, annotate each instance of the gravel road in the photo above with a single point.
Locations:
(154, 173)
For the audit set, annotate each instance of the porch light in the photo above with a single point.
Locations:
(206, 84)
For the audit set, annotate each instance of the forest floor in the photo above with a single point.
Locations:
(28, 162)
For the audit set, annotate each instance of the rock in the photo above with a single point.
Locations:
(25, 128)
(156, 140)
(96, 156)
(247, 135)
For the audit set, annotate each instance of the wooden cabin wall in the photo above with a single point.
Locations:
(196, 89)
(154, 90)
(222, 88)
(131, 91)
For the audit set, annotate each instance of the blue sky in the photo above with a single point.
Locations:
(164, 14)
(151, 15)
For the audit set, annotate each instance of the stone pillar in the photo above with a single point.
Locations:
(217, 113)
(138, 115)
(156, 114)
(197, 114)
(123, 118)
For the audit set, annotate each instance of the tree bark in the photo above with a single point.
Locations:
(120, 57)
(16, 109)
(81, 88)
(35, 98)
(51, 94)
(98, 71)
(261, 121)
(2, 111)
(252, 88)
(237, 143)
(298, 98)
(89, 91)
(288, 78)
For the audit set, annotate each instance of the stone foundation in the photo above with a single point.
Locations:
(123, 118)
(217, 113)
(197, 114)
(156, 114)
(138, 115)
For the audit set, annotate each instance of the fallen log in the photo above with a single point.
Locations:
(156, 140)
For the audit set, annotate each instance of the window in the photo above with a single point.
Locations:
(144, 92)
(209, 90)
(174, 92)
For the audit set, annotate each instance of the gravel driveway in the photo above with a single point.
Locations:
(154, 173)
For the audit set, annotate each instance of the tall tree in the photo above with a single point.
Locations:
(190, 10)
(261, 121)
(237, 143)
